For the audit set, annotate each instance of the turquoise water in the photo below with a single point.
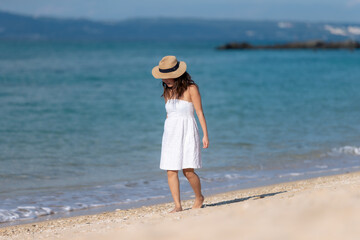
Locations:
(81, 122)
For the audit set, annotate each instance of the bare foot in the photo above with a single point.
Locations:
(176, 209)
(198, 202)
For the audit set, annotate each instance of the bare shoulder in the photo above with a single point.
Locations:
(195, 97)
(193, 90)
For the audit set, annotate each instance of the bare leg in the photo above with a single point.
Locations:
(174, 186)
(194, 181)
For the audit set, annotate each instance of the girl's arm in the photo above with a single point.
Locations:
(196, 99)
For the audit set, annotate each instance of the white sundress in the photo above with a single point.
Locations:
(180, 142)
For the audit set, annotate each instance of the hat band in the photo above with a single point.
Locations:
(170, 69)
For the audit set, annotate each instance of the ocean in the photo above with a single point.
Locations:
(81, 123)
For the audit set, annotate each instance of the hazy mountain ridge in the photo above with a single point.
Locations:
(15, 26)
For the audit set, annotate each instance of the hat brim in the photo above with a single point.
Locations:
(180, 71)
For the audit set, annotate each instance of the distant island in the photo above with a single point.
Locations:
(294, 45)
(36, 28)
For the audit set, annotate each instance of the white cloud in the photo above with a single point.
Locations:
(354, 30)
(284, 25)
(250, 33)
(336, 30)
(343, 31)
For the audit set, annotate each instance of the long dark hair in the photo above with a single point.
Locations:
(180, 85)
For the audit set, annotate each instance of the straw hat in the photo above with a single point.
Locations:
(169, 67)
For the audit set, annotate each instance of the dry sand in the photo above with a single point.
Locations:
(318, 208)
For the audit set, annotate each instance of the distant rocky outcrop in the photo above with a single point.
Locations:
(294, 45)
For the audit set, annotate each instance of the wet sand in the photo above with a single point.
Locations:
(318, 208)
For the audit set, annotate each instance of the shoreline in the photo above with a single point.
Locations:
(185, 197)
(123, 220)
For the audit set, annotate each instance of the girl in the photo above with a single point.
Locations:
(180, 148)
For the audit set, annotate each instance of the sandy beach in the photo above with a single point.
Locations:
(318, 208)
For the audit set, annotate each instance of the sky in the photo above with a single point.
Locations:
(115, 10)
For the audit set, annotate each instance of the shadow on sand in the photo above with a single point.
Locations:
(241, 199)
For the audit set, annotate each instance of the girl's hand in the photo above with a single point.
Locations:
(205, 141)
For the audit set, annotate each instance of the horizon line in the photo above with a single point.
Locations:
(44, 16)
